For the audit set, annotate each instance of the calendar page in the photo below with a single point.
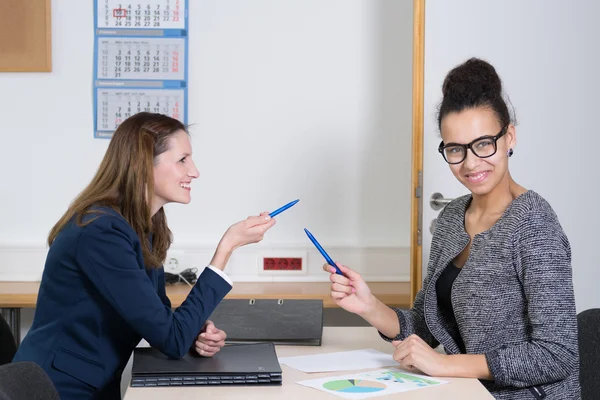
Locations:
(116, 105)
(141, 58)
(141, 14)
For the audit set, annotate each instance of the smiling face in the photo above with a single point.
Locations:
(174, 171)
(479, 175)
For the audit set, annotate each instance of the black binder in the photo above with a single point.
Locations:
(290, 322)
(236, 364)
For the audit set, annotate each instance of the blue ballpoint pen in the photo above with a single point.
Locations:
(323, 252)
(282, 209)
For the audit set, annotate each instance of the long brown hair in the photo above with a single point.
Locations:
(125, 182)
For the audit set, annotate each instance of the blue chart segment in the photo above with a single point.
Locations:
(140, 60)
(354, 386)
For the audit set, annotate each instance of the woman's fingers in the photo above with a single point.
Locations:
(336, 287)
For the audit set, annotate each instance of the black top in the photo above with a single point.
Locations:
(443, 288)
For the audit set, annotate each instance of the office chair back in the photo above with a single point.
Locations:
(588, 323)
(25, 380)
(8, 347)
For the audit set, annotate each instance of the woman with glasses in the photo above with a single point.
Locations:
(498, 294)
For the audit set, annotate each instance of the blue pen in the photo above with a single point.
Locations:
(323, 252)
(282, 209)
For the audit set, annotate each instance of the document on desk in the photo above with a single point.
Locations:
(340, 361)
(373, 383)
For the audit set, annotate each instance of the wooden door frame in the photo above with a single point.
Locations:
(416, 206)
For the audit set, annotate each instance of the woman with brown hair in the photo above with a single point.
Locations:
(103, 286)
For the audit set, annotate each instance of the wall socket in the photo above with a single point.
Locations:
(282, 262)
(175, 262)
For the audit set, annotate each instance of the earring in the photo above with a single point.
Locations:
(510, 152)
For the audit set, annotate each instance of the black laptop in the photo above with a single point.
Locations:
(235, 364)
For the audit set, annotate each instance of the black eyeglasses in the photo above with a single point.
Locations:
(482, 147)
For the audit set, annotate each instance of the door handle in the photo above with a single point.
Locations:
(437, 201)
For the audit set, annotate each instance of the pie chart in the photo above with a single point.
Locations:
(354, 386)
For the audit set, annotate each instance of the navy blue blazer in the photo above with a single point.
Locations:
(97, 301)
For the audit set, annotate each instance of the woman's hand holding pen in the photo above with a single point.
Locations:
(350, 291)
(250, 230)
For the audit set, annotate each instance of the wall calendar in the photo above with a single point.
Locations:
(140, 60)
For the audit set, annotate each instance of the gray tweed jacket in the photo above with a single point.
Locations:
(513, 300)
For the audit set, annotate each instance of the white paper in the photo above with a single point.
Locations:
(340, 361)
(373, 383)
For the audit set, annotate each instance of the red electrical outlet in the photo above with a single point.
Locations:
(282, 264)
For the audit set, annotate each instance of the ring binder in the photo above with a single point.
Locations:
(292, 322)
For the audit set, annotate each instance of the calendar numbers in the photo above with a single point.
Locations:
(145, 58)
(141, 14)
(116, 105)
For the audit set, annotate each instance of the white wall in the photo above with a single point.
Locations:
(547, 53)
(305, 99)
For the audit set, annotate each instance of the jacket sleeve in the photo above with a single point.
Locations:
(543, 262)
(162, 288)
(412, 321)
(106, 253)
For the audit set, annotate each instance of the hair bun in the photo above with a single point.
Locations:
(474, 84)
(476, 77)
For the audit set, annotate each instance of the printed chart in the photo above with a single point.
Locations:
(354, 386)
(373, 383)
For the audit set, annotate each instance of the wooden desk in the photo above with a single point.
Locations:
(334, 339)
(391, 293)
(17, 295)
